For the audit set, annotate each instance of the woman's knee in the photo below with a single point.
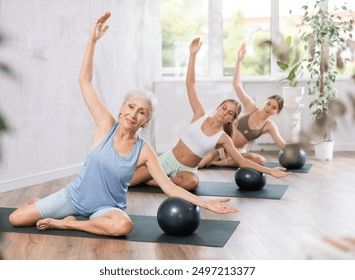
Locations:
(190, 183)
(141, 175)
(14, 219)
(260, 160)
(122, 228)
(119, 227)
(26, 216)
(255, 158)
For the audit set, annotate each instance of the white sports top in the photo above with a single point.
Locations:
(197, 141)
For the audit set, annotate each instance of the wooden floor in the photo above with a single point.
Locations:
(318, 203)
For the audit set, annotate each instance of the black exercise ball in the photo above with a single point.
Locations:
(249, 179)
(292, 157)
(177, 216)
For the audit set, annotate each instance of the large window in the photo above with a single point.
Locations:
(333, 7)
(242, 22)
(183, 20)
(290, 16)
(223, 26)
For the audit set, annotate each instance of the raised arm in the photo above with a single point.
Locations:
(195, 102)
(247, 101)
(272, 129)
(150, 159)
(227, 143)
(98, 110)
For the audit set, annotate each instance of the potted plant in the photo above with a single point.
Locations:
(289, 60)
(324, 39)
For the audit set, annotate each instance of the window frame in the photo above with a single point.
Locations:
(215, 43)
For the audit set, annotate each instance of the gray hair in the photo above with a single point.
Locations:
(146, 95)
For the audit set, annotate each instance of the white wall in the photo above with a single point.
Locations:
(174, 111)
(51, 129)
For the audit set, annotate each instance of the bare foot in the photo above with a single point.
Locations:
(345, 243)
(50, 223)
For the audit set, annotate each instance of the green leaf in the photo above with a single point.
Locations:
(283, 66)
(289, 41)
(3, 125)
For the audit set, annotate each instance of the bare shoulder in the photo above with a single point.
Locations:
(224, 140)
(197, 115)
(101, 131)
(270, 126)
(146, 153)
(147, 148)
(250, 108)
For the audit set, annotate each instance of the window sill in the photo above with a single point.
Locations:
(256, 79)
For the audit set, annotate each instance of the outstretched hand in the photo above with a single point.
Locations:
(278, 172)
(99, 28)
(195, 45)
(218, 206)
(242, 52)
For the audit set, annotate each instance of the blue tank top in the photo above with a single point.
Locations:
(104, 178)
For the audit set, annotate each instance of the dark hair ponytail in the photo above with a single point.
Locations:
(228, 128)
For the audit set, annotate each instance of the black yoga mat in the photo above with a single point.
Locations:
(305, 169)
(213, 233)
(213, 167)
(224, 189)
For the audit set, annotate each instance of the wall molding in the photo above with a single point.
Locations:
(39, 178)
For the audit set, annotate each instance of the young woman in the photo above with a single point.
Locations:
(99, 191)
(254, 123)
(203, 134)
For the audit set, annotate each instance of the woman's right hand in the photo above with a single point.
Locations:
(279, 172)
(195, 45)
(218, 206)
(98, 30)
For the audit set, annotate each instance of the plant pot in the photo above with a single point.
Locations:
(324, 150)
(293, 95)
(293, 106)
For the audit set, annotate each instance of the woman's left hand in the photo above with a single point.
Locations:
(218, 206)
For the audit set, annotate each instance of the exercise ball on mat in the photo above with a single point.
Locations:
(249, 179)
(292, 157)
(177, 216)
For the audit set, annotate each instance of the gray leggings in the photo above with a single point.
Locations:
(57, 206)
